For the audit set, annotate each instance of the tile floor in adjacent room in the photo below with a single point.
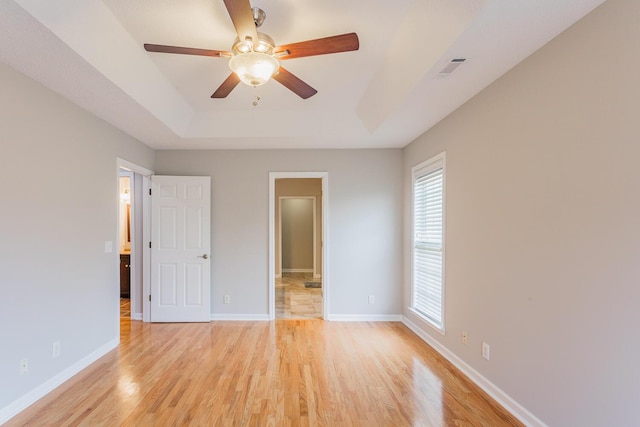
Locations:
(294, 300)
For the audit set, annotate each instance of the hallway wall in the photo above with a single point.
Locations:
(301, 187)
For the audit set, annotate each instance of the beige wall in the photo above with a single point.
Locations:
(364, 211)
(288, 187)
(59, 180)
(297, 231)
(543, 225)
(542, 233)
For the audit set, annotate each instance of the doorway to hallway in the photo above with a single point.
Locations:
(133, 230)
(297, 240)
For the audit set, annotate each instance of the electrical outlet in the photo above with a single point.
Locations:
(24, 366)
(371, 299)
(486, 350)
(55, 352)
(227, 299)
(465, 338)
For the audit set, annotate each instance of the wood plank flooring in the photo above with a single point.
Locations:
(282, 373)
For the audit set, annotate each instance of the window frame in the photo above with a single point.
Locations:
(418, 171)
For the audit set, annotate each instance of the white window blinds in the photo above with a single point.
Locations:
(428, 238)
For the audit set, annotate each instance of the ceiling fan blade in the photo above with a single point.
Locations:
(294, 84)
(227, 86)
(333, 44)
(185, 50)
(242, 18)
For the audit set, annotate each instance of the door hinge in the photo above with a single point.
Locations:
(149, 297)
(149, 245)
(149, 191)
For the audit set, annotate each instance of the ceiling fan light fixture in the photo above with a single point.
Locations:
(263, 44)
(254, 68)
(254, 57)
(243, 47)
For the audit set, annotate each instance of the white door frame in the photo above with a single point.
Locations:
(324, 176)
(315, 231)
(146, 237)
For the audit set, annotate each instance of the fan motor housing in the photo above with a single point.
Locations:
(265, 44)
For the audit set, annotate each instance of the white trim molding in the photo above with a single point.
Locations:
(47, 387)
(122, 163)
(365, 318)
(491, 389)
(240, 317)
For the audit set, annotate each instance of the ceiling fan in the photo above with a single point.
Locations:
(255, 58)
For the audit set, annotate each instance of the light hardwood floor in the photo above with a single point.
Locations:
(282, 373)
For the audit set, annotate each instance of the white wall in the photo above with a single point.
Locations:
(59, 205)
(364, 223)
(543, 224)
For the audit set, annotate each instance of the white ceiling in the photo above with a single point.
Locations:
(383, 95)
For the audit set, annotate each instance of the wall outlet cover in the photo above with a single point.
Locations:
(55, 352)
(486, 350)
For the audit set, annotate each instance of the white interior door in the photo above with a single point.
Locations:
(180, 248)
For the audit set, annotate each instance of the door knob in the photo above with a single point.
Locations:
(205, 256)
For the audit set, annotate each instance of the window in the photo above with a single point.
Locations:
(428, 240)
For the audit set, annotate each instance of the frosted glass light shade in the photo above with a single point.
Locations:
(254, 68)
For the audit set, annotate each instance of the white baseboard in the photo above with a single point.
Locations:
(240, 317)
(364, 317)
(332, 317)
(297, 270)
(136, 316)
(491, 389)
(19, 405)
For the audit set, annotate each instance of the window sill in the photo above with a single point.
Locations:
(429, 322)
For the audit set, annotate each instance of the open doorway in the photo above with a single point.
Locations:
(133, 231)
(298, 286)
(125, 225)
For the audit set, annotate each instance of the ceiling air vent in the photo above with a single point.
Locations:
(451, 67)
